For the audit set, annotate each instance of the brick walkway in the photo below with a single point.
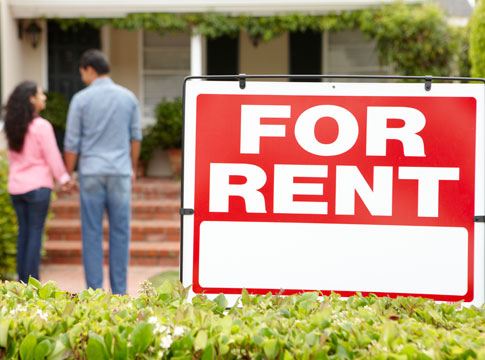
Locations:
(71, 277)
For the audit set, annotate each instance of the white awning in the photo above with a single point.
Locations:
(119, 8)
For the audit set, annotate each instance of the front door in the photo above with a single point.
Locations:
(65, 49)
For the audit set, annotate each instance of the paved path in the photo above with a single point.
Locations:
(71, 277)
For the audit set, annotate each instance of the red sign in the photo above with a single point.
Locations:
(372, 165)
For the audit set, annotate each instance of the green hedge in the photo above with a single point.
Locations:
(40, 321)
(8, 225)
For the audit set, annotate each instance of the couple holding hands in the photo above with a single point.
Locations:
(103, 131)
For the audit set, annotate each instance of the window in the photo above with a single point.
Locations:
(350, 53)
(166, 62)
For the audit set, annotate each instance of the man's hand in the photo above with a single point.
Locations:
(69, 187)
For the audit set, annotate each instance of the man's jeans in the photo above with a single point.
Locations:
(113, 193)
(31, 209)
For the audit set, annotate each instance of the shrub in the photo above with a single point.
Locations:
(56, 110)
(477, 40)
(39, 321)
(415, 39)
(8, 225)
(166, 133)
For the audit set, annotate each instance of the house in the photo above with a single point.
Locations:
(153, 66)
(458, 11)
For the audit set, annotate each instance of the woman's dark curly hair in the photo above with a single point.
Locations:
(19, 112)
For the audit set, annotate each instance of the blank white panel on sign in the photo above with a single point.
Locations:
(338, 257)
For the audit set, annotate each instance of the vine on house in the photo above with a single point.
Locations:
(414, 39)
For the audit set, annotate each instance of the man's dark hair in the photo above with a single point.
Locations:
(96, 60)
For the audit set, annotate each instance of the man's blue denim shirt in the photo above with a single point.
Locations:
(102, 121)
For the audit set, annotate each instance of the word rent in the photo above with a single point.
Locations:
(377, 197)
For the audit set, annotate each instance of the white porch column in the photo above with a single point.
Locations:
(106, 41)
(11, 49)
(196, 55)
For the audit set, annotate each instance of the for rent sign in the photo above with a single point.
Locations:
(348, 188)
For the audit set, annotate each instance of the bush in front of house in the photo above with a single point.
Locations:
(39, 321)
(166, 133)
(8, 225)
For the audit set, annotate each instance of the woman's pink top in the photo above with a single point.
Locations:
(33, 167)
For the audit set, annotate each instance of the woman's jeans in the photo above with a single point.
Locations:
(113, 193)
(31, 209)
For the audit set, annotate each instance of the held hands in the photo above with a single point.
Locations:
(69, 187)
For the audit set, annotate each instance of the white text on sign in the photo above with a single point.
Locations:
(349, 180)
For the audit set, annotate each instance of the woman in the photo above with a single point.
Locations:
(33, 158)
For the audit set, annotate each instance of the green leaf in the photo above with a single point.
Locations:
(342, 352)
(108, 340)
(120, 350)
(288, 356)
(271, 348)
(245, 299)
(141, 337)
(308, 296)
(266, 332)
(68, 309)
(221, 301)
(74, 335)
(226, 325)
(208, 353)
(34, 282)
(96, 349)
(200, 341)
(311, 339)
(27, 347)
(258, 340)
(42, 349)
(223, 349)
(4, 326)
(165, 288)
(47, 290)
(285, 313)
(58, 351)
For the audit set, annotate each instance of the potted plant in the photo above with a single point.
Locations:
(166, 133)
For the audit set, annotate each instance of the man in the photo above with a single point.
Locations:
(103, 130)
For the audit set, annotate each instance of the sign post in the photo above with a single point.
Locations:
(334, 187)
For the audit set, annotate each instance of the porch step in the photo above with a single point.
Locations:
(155, 226)
(141, 253)
(156, 188)
(141, 230)
(156, 209)
(145, 189)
